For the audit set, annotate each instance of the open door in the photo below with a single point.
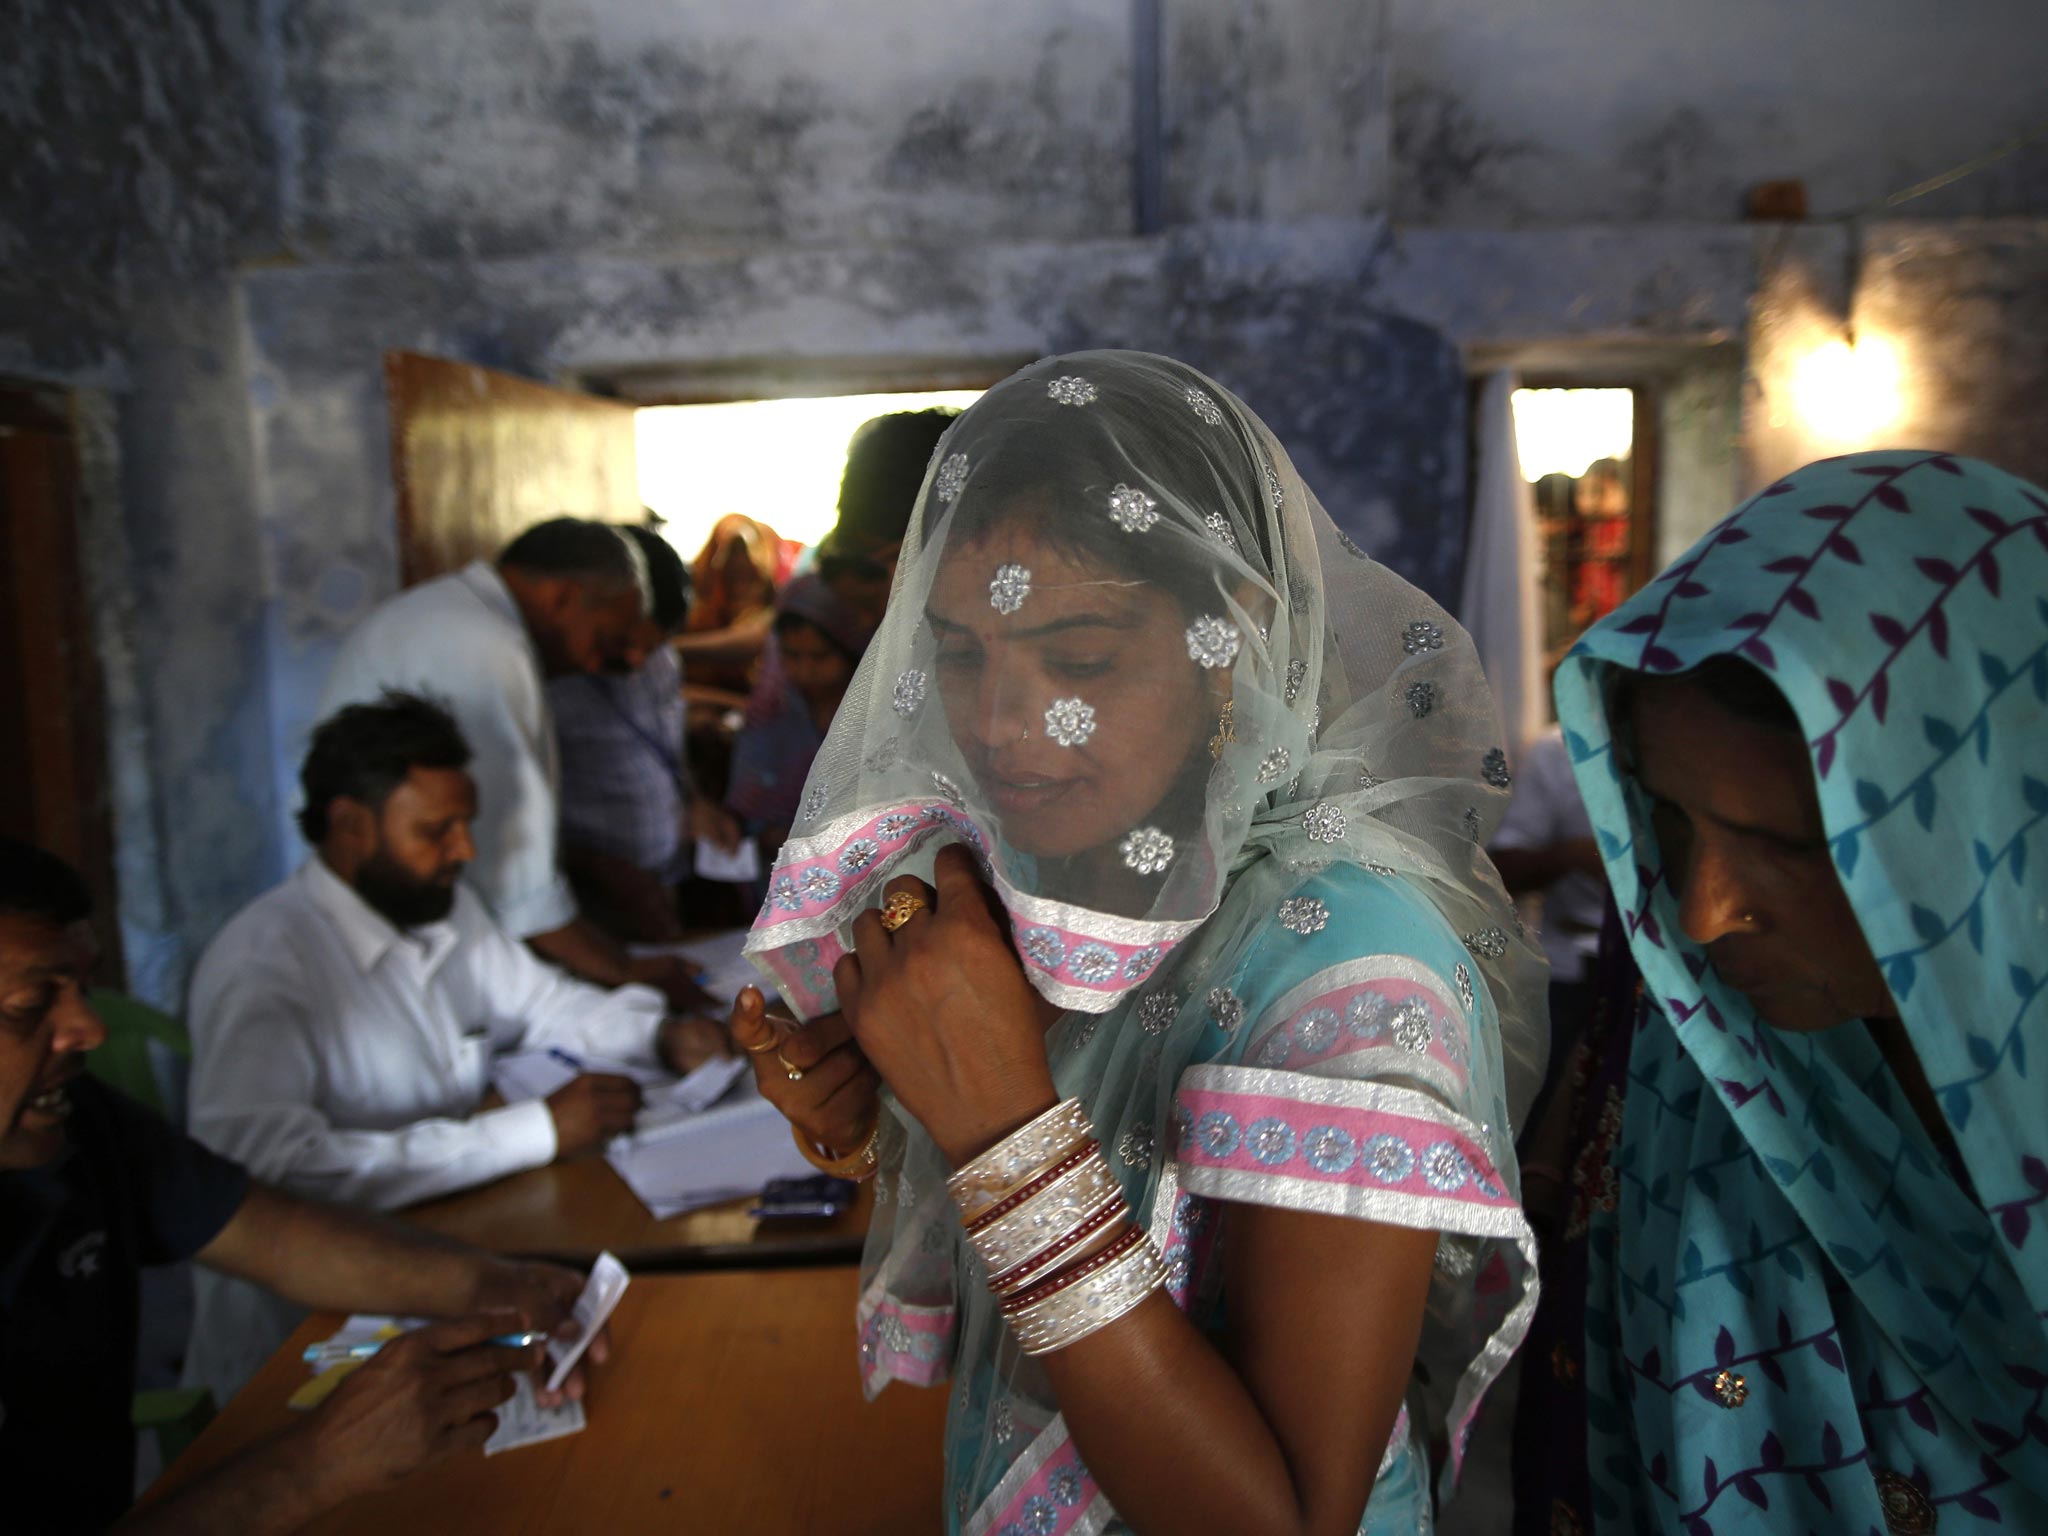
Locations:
(478, 455)
(53, 770)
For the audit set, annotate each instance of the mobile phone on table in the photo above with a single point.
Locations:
(818, 1195)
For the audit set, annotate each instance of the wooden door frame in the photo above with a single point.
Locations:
(63, 800)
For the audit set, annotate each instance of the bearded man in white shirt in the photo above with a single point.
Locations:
(567, 596)
(343, 1024)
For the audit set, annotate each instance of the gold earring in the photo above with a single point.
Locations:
(1226, 733)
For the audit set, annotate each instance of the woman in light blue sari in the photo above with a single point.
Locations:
(1216, 785)
(1815, 752)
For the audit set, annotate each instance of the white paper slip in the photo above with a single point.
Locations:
(522, 1420)
(722, 1154)
(740, 867)
(601, 1292)
(691, 1095)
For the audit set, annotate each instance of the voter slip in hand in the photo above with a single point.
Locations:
(601, 1292)
(521, 1419)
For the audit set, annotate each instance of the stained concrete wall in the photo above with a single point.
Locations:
(135, 170)
(1602, 111)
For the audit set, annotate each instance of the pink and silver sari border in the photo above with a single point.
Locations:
(1047, 1491)
(1082, 960)
(1371, 1150)
(1379, 1009)
(902, 1342)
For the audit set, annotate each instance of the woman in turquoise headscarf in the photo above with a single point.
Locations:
(1813, 752)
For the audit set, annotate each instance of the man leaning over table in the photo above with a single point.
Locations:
(566, 596)
(343, 1024)
(93, 1186)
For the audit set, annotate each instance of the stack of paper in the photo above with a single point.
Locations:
(523, 1075)
(721, 1154)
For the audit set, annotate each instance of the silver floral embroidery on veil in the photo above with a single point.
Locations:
(1226, 1008)
(1204, 405)
(951, 477)
(1297, 674)
(1156, 1011)
(1323, 823)
(1072, 391)
(1421, 636)
(1303, 915)
(1495, 769)
(1421, 698)
(1213, 641)
(1009, 588)
(1147, 850)
(814, 802)
(910, 690)
(1070, 722)
(1490, 942)
(1272, 765)
(1219, 529)
(1132, 510)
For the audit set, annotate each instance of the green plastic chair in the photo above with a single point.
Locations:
(124, 1062)
(175, 1415)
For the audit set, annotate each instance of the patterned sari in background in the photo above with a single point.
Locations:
(1802, 1315)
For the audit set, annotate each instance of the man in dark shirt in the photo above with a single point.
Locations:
(93, 1186)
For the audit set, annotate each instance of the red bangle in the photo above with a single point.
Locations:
(1045, 1290)
(1017, 1197)
(1030, 1269)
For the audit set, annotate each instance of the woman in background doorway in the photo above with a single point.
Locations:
(819, 639)
(732, 584)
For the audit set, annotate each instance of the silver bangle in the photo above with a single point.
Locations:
(1047, 1216)
(1071, 1315)
(1023, 1153)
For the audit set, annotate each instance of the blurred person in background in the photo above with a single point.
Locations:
(819, 639)
(627, 798)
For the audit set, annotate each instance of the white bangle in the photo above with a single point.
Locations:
(1026, 1151)
(1047, 1216)
(1071, 1315)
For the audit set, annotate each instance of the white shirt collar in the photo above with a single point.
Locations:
(368, 934)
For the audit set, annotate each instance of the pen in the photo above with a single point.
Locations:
(335, 1354)
(565, 1058)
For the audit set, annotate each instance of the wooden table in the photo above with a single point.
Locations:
(572, 1211)
(731, 1403)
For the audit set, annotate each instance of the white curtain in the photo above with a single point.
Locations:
(1499, 605)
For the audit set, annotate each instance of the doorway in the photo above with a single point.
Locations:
(54, 786)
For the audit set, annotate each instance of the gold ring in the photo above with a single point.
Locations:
(790, 1069)
(897, 910)
(767, 1045)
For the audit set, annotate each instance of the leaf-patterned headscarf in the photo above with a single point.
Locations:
(1799, 1308)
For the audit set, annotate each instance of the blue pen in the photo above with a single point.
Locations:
(335, 1354)
(565, 1058)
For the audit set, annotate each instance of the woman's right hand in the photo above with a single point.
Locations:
(836, 1100)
